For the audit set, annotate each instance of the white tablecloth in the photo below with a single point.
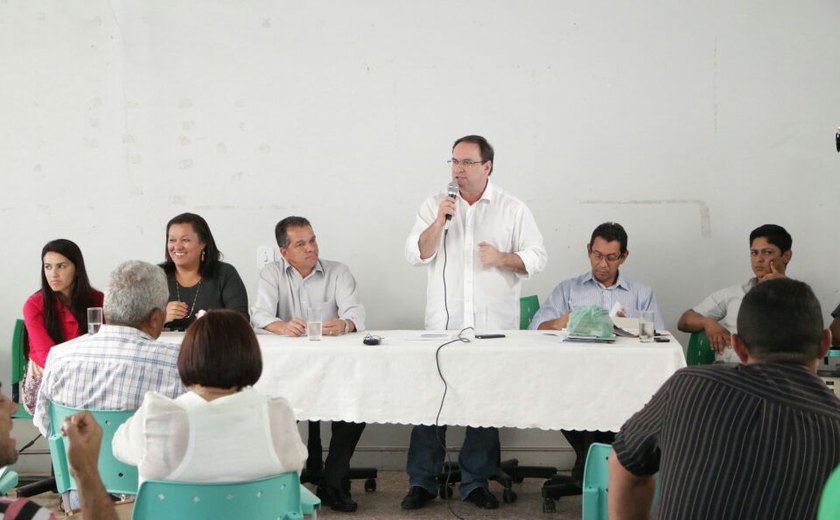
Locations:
(526, 380)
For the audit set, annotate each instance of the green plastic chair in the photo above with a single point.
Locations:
(8, 480)
(19, 360)
(309, 502)
(699, 350)
(830, 500)
(118, 477)
(277, 497)
(596, 476)
(528, 306)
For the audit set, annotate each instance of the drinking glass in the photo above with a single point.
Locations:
(314, 323)
(646, 326)
(94, 319)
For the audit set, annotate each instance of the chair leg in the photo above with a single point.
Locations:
(36, 488)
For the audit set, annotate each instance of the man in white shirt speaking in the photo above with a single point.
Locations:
(478, 242)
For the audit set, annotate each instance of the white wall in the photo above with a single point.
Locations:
(689, 122)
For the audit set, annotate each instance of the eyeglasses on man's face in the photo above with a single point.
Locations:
(466, 163)
(598, 256)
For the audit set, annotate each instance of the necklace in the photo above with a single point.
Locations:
(178, 295)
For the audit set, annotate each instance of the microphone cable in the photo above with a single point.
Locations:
(445, 303)
(30, 443)
(445, 487)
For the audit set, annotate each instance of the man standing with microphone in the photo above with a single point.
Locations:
(478, 242)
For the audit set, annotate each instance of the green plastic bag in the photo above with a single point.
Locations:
(590, 320)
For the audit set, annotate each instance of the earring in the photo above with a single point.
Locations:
(202, 255)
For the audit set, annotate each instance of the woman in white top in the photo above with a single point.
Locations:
(221, 429)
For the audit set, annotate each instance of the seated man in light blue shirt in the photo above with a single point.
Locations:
(604, 285)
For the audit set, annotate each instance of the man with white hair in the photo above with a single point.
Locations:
(114, 368)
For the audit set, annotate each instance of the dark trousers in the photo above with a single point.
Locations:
(336, 469)
(580, 441)
(478, 458)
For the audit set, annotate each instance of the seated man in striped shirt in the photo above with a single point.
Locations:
(603, 285)
(753, 440)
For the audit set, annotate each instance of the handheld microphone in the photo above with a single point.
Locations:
(452, 190)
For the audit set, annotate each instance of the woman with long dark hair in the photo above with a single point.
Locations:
(198, 279)
(58, 311)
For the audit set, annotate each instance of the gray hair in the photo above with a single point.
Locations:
(135, 289)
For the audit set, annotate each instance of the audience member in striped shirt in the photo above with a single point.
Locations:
(740, 441)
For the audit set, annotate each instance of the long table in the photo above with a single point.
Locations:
(528, 379)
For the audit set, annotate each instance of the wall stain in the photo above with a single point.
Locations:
(705, 214)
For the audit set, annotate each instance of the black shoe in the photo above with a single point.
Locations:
(416, 498)
(336, 498)
(483, 498)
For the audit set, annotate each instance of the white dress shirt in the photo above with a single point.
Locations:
(283, 294)
(497, 218)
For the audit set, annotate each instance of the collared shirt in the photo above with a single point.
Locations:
(502, 221)
(283, 294)
(736, 441)
(110, 370)
(722, 306)
(587, 290)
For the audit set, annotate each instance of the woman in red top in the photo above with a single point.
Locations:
(58, 312)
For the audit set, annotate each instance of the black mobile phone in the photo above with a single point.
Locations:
(661, 339)
(489, 336)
